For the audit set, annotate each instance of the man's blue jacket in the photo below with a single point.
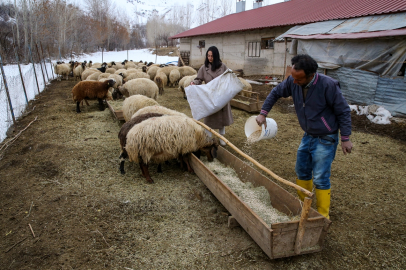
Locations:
(324, 111)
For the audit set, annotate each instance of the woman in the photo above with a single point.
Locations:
(212, 68)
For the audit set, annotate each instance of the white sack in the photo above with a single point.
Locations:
(206, 99)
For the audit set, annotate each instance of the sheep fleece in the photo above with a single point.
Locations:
(163, 138)
(133, 103)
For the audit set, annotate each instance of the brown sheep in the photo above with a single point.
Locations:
(91, 90)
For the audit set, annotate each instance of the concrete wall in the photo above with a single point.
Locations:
(233, 48)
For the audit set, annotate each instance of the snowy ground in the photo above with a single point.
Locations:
(14, 84)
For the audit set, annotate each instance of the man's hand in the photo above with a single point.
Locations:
(261, 120)
(192, 83)
(347, 147)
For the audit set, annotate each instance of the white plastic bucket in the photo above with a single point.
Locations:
(266, 133)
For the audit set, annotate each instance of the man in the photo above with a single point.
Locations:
(322, 111)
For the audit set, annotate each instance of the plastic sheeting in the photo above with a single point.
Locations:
(363, 87)
(383, 56)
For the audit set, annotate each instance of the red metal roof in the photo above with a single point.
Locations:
(295, 12)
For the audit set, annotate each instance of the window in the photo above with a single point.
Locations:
(267, 43)
(254, 49)
(201, 44)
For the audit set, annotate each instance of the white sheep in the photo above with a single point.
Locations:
(167, 70)
(160, 139)
(134, 103)
(139, 86)
(88, 72)
(161, 80)
(152, 71)
(94, 76)
(174, 77)
(186, 71)
(158, 109)
(61, 70)
(77, 72)
(103, 75)
(136, 75)
(122, 71)
(185, 82)
(130, 64)
(117, 78)
(110, 70)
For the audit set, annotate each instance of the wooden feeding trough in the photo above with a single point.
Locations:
(118, 114)
(279, 239)
(249, 104)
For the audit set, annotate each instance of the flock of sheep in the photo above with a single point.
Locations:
(152, 133)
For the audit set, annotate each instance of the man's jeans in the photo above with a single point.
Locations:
(314, 158)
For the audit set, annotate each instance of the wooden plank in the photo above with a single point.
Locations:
(302, 223)
(232, 222)
(249, 220)
(293, 225)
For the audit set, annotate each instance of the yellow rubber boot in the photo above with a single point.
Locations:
(306, 184)
(323, 202)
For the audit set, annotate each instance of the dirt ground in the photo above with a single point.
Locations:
(61, 177)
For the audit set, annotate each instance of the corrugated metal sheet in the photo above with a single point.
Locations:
(391, 94)
(365, 27)
(358, 86)
(296, 12)
(387, 33)
(363, 87)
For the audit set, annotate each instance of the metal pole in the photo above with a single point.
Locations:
(8, 95)
(45, 64)
(35, 72)
(59, 47)
(102, 54)
(52, 68)
(40, 64)
(21, 75)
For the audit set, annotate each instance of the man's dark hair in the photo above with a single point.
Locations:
(306, 63)
(216, 58)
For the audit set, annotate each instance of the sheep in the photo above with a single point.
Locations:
(61, 70)
(122, 136)
(139, 86)
(98, 65)
(117, 78)
(247, 90)
(118, 66)
(167, 70)
(110, 70)
(160, 139)
(103, 67)
(103, 75)
(128, 65)
(77, 72)
(133, 70)
(111, 64)
(89, 64)
(123, 71)
(134, 103)
(174, 77)
(91, 90)
(185, 82)
(152, 72)
(136, 75)
(149, 64)
(186, 71)
(88, 72)
(161, 80)
(94, 76)
(158, 109)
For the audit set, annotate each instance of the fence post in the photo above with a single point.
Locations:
(59, 47)
(35, 72)
(8, 95)
(21, 75)
(52, 68)
(102, 54)
(40, 64)
(45, 64)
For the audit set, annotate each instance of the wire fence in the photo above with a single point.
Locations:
(18, 85)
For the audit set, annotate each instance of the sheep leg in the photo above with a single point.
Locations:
(159, 168)
(145, 172)
(87, 103)
(101, 105)
(78, 107)
(185, 159)
(122, 158)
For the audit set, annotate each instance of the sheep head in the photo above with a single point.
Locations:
(123, 91)
(111, 82)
